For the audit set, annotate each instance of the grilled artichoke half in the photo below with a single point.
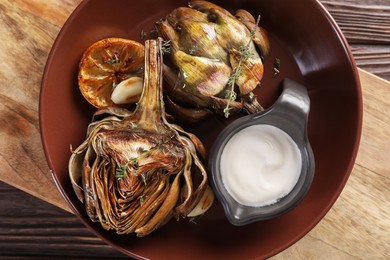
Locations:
(135, 171)
(206, 52)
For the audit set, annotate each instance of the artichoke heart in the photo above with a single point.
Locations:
(135, 171)
(217, 60)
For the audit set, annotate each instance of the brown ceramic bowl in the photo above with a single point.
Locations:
(312, 51)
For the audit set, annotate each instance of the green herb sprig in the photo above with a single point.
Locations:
(166, 47)
(141, 200)
(114, 60)
(245, 54)
(121, 172)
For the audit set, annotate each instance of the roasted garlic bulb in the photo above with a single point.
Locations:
(214, 64)
(135, 171)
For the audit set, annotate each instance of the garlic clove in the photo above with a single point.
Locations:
(127, 91)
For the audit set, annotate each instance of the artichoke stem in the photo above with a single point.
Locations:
(149, 107)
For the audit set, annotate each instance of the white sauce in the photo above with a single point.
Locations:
(259, 165)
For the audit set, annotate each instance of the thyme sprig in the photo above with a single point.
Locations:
(245, 54)
(121, 172)
(144, 178)
(143, 34)
(166, 47)
(114, 60)
(141, 199)
(193, 220)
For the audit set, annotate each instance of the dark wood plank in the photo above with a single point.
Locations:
(366, 26)
(373, 58)
(34, 228)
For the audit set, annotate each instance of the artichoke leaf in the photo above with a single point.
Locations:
(231, 33)
(206, 7)
(164, 213)
(187, 115)
(199, 74)
(260, 34)
(251, 70)
(197, 36)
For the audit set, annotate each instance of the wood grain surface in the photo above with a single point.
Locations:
(366, 26)
(33, 228)
(357, 226)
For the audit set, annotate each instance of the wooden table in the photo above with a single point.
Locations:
(40, 225)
